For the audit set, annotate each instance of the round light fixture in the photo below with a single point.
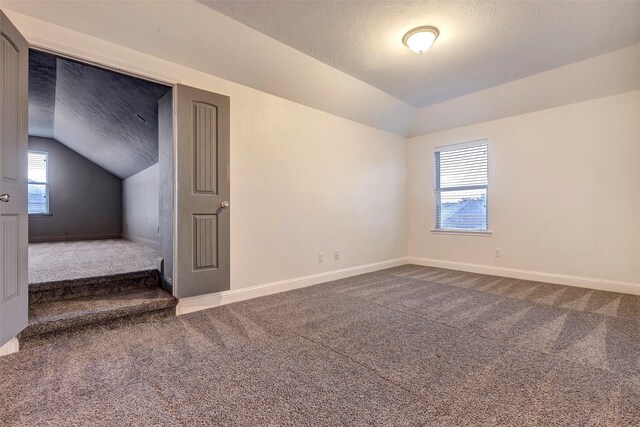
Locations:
(420, 39)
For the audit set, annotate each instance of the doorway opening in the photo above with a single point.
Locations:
(100, 192)
(89, 278)
(96, 158)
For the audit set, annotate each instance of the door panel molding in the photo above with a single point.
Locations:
(9, 249)
(10, 129)
(205, 147)
(205, 241)
(202, 192)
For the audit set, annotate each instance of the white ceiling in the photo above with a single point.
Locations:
(199, 38)
(191, 43)
(481, 44)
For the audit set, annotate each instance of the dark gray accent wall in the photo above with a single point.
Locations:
(165, 160)
(85, 201)
(107, 117)
(140, 207)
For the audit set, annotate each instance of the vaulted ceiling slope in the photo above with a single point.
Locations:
(492, 49)
(107, 117)
(42, 94)
(482, 43)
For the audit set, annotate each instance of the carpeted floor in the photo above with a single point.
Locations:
(404, 346)
(52, 262)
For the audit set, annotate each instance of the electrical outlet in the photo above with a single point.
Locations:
(497, 252)
(320, 257)
(336, 255)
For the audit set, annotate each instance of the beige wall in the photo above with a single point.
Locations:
(563, 198)
(302, 181)
(564, 192)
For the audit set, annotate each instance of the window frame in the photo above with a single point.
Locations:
(437, 190)
(46, 184)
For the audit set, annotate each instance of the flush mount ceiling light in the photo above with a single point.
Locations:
(420, 39)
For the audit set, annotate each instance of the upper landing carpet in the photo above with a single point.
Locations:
(51, 262)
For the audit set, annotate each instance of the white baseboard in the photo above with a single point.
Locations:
(11, 346)
(560, 279)
(53, 239)
(201, 302)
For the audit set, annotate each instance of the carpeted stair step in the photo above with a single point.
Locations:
(49, 319)
(92, 286)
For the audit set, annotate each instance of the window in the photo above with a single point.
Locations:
(38, 192)
(461, 184)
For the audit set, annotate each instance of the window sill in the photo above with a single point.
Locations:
(40, 215)
(462, 232)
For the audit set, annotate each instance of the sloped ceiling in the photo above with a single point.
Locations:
(109, 118)
(482, 44)
(42, 94)
(197, 37)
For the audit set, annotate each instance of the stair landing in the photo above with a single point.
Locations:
(76, 306)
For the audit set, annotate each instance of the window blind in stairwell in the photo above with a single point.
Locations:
(38, 187)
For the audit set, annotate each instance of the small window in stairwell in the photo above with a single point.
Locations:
(461, 186)
(38, 187)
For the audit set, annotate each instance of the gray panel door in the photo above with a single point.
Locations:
(202, 197)
(13, 181)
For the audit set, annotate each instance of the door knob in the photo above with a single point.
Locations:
(224, 204)
(5, 198)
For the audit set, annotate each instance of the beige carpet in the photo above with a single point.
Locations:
(405, 346)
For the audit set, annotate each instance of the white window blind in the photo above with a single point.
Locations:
(461, 185)
(38, 189)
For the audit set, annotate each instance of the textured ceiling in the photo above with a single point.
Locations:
(481, 44)
(155, 38)
(42, 93)
(95, 112)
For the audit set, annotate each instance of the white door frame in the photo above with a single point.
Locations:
(101, 62)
